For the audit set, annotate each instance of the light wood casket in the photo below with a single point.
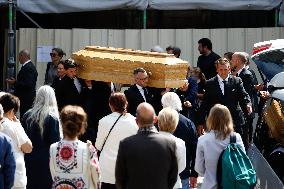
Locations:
(117, 65)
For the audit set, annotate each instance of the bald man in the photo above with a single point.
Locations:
(25, 84)
(147, 159)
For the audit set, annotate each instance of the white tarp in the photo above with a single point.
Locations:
(62, 6)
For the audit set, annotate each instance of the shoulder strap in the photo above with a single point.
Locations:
(233, 138)
(110, 131)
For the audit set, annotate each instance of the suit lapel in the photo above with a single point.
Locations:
(138, 94)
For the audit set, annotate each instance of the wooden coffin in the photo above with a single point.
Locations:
(117, 65)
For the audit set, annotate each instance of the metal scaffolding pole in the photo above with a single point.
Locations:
(11, 42)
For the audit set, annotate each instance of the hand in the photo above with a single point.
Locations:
(11, 81)
(193, 182)
(27, 147)
(187, 104)
(88, 83)
(249, 109)
(200, 130)
(184, 87)
(165, 91)
(259, 87)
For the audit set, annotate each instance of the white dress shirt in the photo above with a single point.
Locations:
(77, 84)
(240, 70)
(207, 154)
(126, 126)
(141, 92)
(17, 133)
(221, 84)
(180, 154)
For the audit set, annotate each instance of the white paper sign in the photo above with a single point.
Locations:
(43, 53)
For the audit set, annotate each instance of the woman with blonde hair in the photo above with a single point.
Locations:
(168, 119)
(41, 124)
(210, 145)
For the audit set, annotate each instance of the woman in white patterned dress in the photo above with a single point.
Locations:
(73, 163)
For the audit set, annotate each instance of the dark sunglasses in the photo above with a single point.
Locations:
(53, 54)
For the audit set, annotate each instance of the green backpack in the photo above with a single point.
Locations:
(234, 169)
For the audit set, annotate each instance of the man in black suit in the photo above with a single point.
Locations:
(139, 92)
(227, 90)
(147, 159)
(238, 62)
(25, 85)
(71, 86)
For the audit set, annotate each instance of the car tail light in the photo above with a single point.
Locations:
(261, 48)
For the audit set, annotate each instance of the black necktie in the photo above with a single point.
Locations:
(146, 94)
(225, 86)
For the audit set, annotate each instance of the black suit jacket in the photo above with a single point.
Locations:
(68, 94)
(134, 98)
(248, 82)
(25, 86)
(146, 160)
(236, 99)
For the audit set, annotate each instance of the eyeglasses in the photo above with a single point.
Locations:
(53, 54)
(143, 79)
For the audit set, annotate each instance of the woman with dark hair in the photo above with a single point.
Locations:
(12, 127)
(51, 68)
(73, 163)
(111, 130)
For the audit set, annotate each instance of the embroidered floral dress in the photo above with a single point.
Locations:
(74, 165)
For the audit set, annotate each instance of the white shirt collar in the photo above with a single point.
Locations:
(240, 70)
(26, 62)
(139, 87)
(220, 79)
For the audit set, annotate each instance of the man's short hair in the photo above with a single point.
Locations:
(69, 63)
(158, 49)
(222, 61)
(137, 70)
(176, 51)
(243, 56)
(169, 48)
(205, 42)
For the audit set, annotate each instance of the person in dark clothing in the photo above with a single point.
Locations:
(187, 132)
(227, 90)
(25, 85)
(206, 61)
(147, 159)
(41, 123)
(239, 64)
(95, 101)
(71, 88)
(51, 68)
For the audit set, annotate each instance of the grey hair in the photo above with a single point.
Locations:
(158, 49)
(45, 104)
(171, 99)
(25, 53)
(243, 56)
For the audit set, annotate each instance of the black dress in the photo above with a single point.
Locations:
(37, 162)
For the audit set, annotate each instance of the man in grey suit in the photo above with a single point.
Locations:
(147, 159)
(227, 90)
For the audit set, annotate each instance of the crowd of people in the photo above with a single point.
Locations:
(83, 134)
